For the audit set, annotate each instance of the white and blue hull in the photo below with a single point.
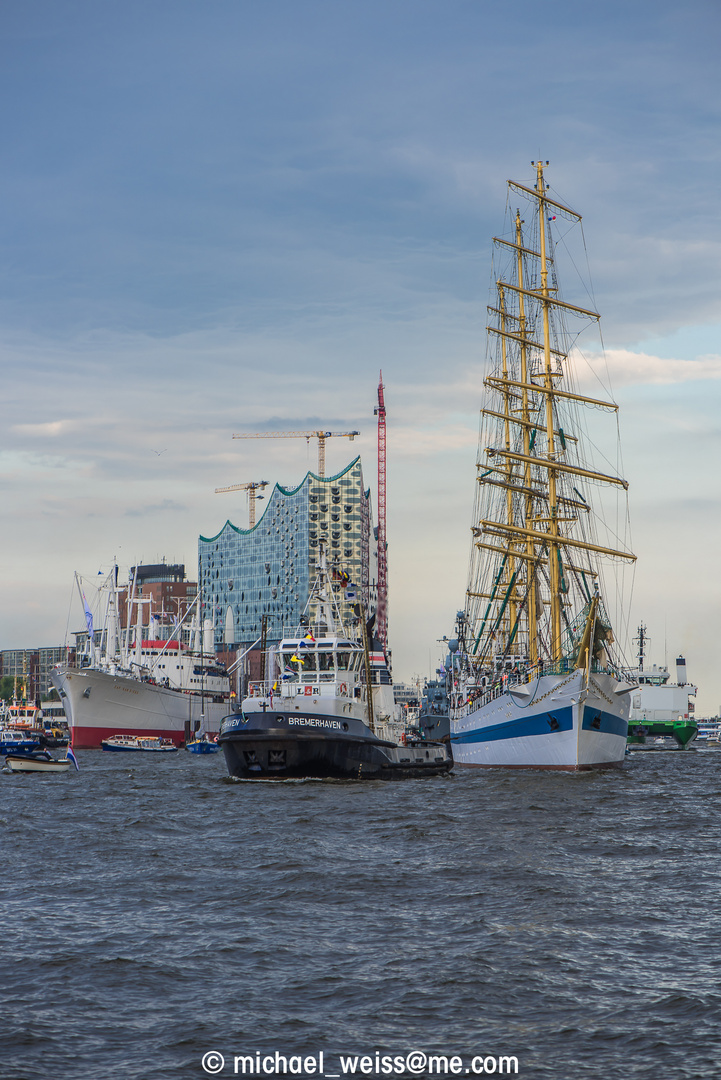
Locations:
(550, 723)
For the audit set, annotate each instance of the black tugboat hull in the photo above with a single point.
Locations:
(279, 754)
(300, 757)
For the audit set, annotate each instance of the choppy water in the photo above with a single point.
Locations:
(154, 910)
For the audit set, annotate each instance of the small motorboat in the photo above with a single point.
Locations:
(13, 741)
(37, 761)
(203, 744)
(139, 743)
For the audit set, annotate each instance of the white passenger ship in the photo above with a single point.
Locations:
(169, 688)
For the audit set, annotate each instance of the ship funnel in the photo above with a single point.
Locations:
(681, 671)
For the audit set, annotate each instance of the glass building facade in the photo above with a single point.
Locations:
(31, 668)
(269, 569)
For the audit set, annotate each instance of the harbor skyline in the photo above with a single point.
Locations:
(229, 219)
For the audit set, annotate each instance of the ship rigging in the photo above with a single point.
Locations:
(543, 532)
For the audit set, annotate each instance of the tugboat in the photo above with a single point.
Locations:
(325, 711)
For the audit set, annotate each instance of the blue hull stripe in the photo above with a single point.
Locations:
(542, 724)
(610, 722)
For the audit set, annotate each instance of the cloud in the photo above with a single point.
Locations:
(627, 368)
(155, 508)
(48, 430)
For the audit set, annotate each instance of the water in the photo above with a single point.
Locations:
(154, 911)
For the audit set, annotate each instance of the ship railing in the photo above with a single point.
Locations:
(479, 696)
(568, 665)
(476, 702)
(505, 681)
(294, 688)
(319, 630)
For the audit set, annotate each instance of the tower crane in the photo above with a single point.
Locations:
(251, 488)
(382, 616)
(321, 436)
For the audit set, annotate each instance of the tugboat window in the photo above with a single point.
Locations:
(307, 658)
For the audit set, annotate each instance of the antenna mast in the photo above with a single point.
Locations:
(642, 639)
(382, 615)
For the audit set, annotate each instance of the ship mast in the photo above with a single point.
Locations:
(554, 552)
(543, 519)
(526, 429)
(507, 621)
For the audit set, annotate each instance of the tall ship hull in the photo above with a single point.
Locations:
(99, 705)
(537, 679)
(550, 723)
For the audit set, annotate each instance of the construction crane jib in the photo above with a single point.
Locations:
(321, 436)
(251, 488)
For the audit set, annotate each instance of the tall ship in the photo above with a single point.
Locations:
(169, 685)
(540, 680)
(325, 706)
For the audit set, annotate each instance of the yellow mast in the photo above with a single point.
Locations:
(511, 563)
(553, 548)
(525, 417)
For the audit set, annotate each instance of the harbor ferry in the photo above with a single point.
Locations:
(326, 708)
(541, 680)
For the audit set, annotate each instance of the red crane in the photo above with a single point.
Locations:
(382, 615)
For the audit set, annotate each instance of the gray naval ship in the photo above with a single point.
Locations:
(326, 708)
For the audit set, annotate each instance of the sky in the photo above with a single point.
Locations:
(229, 216)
